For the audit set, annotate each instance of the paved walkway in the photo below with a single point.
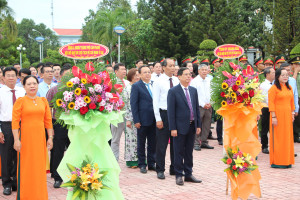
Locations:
(275, 183)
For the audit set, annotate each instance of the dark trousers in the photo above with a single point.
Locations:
(60, 143)
(8, 157)
(296, 126)
(143, 133)
(183, 151)
(265, 124)
(162, 138)
(219, 129)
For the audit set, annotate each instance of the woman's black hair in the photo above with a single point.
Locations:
(278, 72)
(29, 76)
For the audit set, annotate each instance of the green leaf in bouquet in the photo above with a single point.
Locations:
(75, 194)
(106, 187)
(84, 195)
(67, 184)
(104, 173)
(247, 172)
(235, 173)
(71, 167)
(227, 169)
(224, 160)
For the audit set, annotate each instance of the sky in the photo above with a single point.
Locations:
(68, 14)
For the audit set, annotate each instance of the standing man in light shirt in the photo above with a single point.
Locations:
(160, 91)
(120, 71)
(265, 117)
(139, 63)
(202, 84)
(295, 62)
(22, 74)
(156, 71)
(8, 95)
(47, 75)
(56, 73)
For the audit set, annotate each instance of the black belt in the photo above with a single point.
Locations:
(192, 121)
(161, 110)
(5, 122)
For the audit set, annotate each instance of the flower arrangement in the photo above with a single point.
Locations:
(88, 89)
(234, 84)
(85, 180)
(238, 162)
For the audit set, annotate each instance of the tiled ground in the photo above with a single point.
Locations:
(276, 184)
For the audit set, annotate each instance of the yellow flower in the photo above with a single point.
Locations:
(58, 102)
(96, 186)
(234, 151)
(69, 84)
(96, 165)
(224, 103)
(233, 95)
(73, 177)
(87, 99)
(78, 91)
(83, 80)
(71, 105)
(239, 162)
(244, 154)
(238, 82)
(224, 85)
(84, 187)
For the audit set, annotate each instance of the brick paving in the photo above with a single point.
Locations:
(275, 183)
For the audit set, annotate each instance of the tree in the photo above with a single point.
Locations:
(113, 4)
(206, 49)
(169, 20)
(28, 36)
(54, 56)
(144, 9)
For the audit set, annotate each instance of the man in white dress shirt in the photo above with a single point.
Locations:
(202, 84)
(120, 71)
(265, 117)
(8, 95)
(160, 91)
(156, 71)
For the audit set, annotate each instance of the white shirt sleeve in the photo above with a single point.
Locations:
(155, 96)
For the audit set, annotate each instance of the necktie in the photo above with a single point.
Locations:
(14, 96)
(49, 86)
(271, 83)
(190, 104)
(171, 83)
(148, 87)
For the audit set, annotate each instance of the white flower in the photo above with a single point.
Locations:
(102, 103)
(108, 95)
(66, 98)
(91, 90)
(98, 88)
(76, 107)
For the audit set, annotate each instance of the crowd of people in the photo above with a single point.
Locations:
(164, 104)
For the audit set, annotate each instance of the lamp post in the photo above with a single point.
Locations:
(40, 40)
(119, 30)
(40, 43)
(20, 48)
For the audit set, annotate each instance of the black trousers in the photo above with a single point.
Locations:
(296, 125)
(162, 138)
(60, 143)
(183, 151)
(265, 125)
(143, 133)
(219, 129)
(8, 157)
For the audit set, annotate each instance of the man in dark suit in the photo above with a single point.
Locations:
(143, 118)
(184, 121)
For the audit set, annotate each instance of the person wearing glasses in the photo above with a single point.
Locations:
(281, 107)
(47, 75)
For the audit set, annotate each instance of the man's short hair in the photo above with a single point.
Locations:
(8, 69)
(165, 62)
(118, 65)
(40, 65)
(56, 64)
(43, 68)
(285, 64)
(267, 71)
(181, 70)
(64, 69)
(139, 60)
(186, 63)
(202, 65)
(24, 71)
(15, 64)
(140, 68)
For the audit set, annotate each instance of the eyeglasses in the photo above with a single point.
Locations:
(284, 75)
(10, 76)
(51, 71)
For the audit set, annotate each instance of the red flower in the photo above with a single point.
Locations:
(76, 71)
(89, 67)
(92, 106)
(101, 108)
(245, 164)
(121, 105)
(94, 81)
(234, 167)
(84, 92)
(235, 87)
(229, 161)
(84, 110)
(222, 94)
(240, 99)
(251, 93)
(245, 95)
(99, 98)
(118, 88)
(114, 99)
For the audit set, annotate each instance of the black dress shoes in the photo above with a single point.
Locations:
(57, 184)
(197, 148)
(151, 168)
(206, 146)
(295, 155)
(143, 170)
(7, 191)
(192, 179)
(220, 142)
(265, 150)
(161, 175)
(179, 180)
